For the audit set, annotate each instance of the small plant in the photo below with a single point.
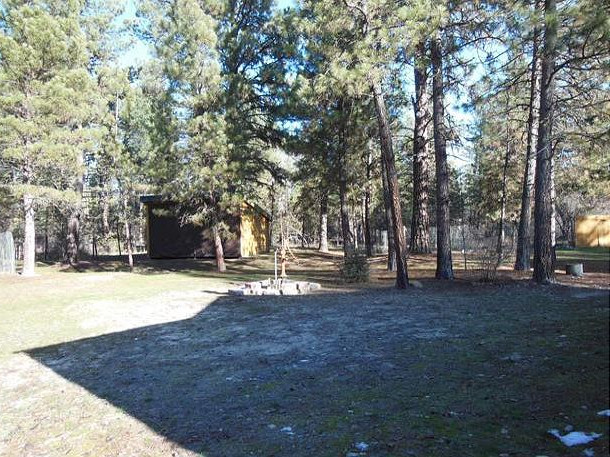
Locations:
(355, 268)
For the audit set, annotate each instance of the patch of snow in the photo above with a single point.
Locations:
(287, 430)
(605, 412)
(362, 446)
(588, 452)
(575, 438)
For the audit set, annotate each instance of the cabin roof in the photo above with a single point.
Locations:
(156, 198)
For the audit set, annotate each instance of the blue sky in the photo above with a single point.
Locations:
(138, 51)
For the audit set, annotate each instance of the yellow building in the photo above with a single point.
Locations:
(254, 230)
(593, 231)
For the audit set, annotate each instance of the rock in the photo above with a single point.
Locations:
(237, 292)
(289, 289)
(575, 269)
(416, 284)
(303, 287)
(270, 292)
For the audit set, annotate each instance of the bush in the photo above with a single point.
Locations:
(355, 268)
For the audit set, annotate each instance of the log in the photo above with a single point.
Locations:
(575, 269)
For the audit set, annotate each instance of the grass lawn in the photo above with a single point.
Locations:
(161, 362)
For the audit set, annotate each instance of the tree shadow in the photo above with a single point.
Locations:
(224, 382)
(312, 375)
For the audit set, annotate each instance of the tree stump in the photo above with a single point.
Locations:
(575, 269)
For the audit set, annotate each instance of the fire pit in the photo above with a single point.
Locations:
(275, 287)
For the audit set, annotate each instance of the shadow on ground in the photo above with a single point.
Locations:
(409, 374)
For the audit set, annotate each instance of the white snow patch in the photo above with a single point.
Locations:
(605, 412)
(575, 438)
(361, 446)
(287, 430)
(588, 452)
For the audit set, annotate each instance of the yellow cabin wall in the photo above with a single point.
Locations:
(254, 230)
(593, 231)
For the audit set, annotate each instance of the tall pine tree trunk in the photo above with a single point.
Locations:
(73, 235)
(72, 240)
(105, 213)
(444, 267)
(420, 222)
(501, 228)
(522, 261)
(128, 235)
(348, 236)
(129, 243)
(385, 138)
(323, 229)
(368, 240)
(218, 250)
(273, 210)
(388, 217)
(543, 210)
(29, 236)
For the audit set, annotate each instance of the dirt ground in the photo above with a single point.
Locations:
(177, 368)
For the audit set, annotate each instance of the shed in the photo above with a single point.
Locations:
(167, 237)
(593, 231)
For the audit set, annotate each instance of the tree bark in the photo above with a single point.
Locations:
(219, 252)
(323, 229)
(46, 235)
(128, 241)
(29, 236)
(385, 138)
(420, 222)
(501, 229)
(543, 209)
(73, 236)
(444, 267)
(368, 241)
(128, 237)
(303, 231)
(522, 261)
(105, 214)
(348, 236)
(388, 218)
(272, 213)
(118, 238)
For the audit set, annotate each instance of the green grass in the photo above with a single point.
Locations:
(596, 253)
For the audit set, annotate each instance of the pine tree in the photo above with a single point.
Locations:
(420, 222)
(543, 247)
(45, 106)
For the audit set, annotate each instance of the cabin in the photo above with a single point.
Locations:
(168, 238)
(593, 231)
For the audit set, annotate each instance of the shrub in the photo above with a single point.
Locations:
(355, 268)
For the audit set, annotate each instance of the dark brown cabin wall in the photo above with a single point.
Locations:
(169, 239)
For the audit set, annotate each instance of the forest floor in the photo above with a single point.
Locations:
(103, 362)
